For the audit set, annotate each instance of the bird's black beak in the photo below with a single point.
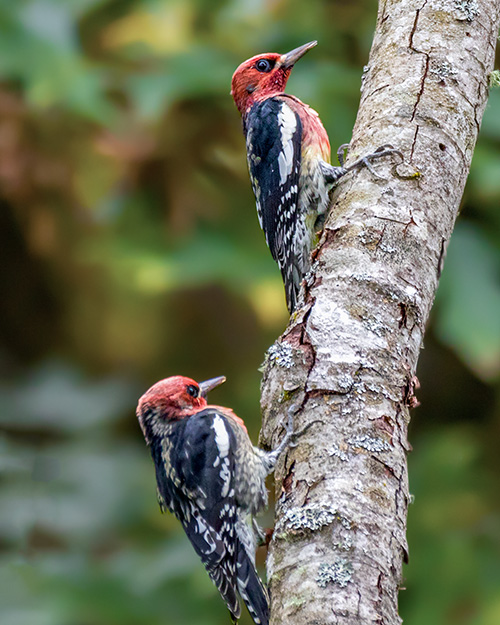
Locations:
(290, 58)
(208, 385)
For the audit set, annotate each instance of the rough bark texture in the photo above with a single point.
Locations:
(348, 358)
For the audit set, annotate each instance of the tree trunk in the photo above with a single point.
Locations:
(348, 358)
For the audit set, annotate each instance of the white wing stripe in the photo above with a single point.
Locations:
(221, 436)
(288, 126)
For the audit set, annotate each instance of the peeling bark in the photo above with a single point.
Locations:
(348, 358)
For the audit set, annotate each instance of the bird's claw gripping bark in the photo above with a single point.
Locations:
(289, 440)
(291, 436)
(286, 442)
(384, 150)
(289, 433)
(341, 152)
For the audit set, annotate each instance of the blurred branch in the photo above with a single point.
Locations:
(348, 358)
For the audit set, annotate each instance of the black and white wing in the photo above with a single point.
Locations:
(273, 137)
(196, 480)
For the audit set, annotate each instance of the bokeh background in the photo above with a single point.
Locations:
(130, 250)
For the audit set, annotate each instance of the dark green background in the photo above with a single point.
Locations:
(130, 250)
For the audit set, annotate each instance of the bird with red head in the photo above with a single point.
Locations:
(211, 477)
(264, 76)
(288, 154)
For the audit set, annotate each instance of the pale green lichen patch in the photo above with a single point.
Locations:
(466, 10)
(339, 573)
(344, 545)
(369, 443)
(346, 524)
(310, 518)
(339, 453)
(494, 78)
(442, 70)
(281, 354)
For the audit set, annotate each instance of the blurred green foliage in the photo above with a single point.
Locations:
(131, 251)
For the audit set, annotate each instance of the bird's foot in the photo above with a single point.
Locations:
(342, 150)
(365, 161)
(289, 433)
(292, 435)
(290, 438)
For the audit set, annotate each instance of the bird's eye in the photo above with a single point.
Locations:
(264, 65)
(194, 391)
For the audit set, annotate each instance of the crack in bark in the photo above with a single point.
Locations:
(414, 142)
(380, 592)
(441, 258)
(427, 60)
(404, 315)
(476, 107)
(288, 479)
(390, 470)
(383, 16)
(377, 90)
(411, 222)
(414, 28)
(422, 84)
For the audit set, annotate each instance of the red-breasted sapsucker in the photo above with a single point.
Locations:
(288, 154)
(212, 478)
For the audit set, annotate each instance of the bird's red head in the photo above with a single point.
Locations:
(263, 76)
(172, 399)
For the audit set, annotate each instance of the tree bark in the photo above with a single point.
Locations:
(348, 358)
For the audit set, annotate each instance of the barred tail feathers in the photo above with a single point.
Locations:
(252, 589)
(227, 590)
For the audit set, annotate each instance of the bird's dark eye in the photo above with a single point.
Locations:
(264, 65)
(194, 391)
